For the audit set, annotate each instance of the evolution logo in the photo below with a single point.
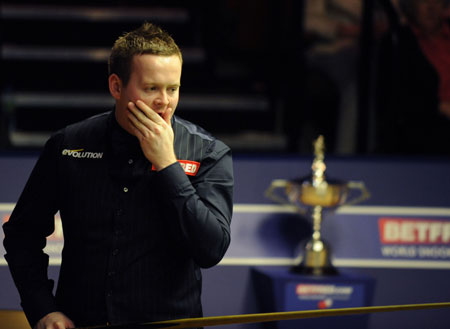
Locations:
(80, 153)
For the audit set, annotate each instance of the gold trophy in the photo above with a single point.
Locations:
(315, 193)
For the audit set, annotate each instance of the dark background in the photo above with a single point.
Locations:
(264, 76)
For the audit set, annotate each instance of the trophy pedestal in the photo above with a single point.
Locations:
(281, 290)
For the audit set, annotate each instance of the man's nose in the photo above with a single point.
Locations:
(162, 98)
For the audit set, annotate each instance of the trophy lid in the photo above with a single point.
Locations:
(330, 193)
(315, 189)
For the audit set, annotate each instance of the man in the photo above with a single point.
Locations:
(145, 200)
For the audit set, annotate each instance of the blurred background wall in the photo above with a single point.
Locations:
(265, 76)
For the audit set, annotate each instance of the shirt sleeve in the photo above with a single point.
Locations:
(30, 223)
(203, 207)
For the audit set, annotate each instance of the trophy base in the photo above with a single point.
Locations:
(308, 270)
(316, 259)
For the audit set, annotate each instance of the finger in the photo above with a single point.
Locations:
(167, 115)
(59, 325)
(138, 114)
(147, 121)
(142, 122)
(137, 133)
(138, 127)
(149, 112)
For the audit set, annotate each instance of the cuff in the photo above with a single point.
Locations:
(39, 304)
(174, 180)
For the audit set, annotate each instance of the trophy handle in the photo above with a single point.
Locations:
(271, 194)
(365, 194)
(276, 184)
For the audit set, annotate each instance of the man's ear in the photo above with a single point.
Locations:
(115, 86)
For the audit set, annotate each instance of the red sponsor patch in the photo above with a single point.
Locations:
(189, 167)
(413, 231)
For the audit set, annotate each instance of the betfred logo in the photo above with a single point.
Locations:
(413, 231)
(190, 167)
(303, 289)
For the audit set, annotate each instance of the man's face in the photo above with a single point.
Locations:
(155, 80)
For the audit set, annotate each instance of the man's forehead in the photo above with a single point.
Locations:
(155, 57)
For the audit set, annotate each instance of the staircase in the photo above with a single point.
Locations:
(54, 70)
